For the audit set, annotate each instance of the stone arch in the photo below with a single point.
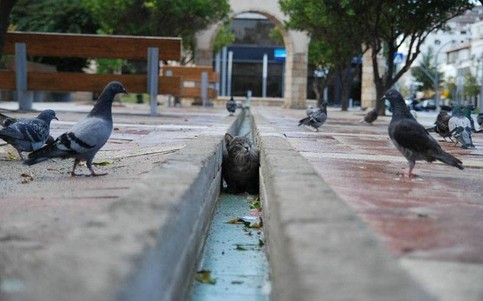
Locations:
(296, 44)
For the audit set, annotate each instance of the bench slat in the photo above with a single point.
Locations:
(93, 46)
(192, 73)
(7, 80)
(68, 81)
(194, 92)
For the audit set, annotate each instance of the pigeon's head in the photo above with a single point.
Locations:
(391, 95)
(47, 115)
(457, 110)
(116, 87)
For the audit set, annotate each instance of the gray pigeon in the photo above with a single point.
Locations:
(479, 119)
(370, 117)
(310, 110)
(411, 138)
(317, 118)
(231, 106)
(460, 128)
(27, 134)
(441, 125)
(86, 137)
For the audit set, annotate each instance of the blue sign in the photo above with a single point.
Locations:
(280, 54)
(398, 57)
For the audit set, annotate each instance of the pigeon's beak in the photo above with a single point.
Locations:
(383, 98)
(55, 117)
(125, 92)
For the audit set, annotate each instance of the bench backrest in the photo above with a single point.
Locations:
(93, 46)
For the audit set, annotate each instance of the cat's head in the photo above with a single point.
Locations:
(239, 146)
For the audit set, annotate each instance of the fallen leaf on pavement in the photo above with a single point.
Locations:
(204, 276)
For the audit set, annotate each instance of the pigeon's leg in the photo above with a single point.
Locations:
(410, 171)
(93, 173)
(72, 173)
(20, 154)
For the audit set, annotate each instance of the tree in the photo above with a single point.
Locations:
(471, 87)
(224, 37)
(335, 41)
(6, 7)
(388, 24)
(383, 26)
(178, 18)
(427, 66)
(55, 16)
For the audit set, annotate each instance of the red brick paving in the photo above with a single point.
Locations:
(437, 215)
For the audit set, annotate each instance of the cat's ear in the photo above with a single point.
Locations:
(228, 138)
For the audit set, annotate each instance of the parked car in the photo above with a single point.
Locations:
(413, 104)
(428, 104)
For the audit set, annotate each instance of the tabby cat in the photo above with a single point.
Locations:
(240, 165)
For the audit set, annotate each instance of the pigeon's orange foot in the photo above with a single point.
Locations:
(407, 175)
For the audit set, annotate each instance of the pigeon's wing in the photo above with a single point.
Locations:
(33, 130)
(90, 132)
(11, 133)
(411, 135)
(455, 122)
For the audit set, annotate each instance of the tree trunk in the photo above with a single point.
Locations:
(5, 9)
(379, 83)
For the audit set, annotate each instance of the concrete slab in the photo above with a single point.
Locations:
(435, 217)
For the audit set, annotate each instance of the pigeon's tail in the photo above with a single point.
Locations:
(449, 159)
(305, 121)
(44, 153)
(5, 120)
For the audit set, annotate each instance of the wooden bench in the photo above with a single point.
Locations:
(152, 49)
(196, 81)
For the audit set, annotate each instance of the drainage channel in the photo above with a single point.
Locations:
(234, 265)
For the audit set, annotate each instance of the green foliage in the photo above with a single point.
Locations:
(276, 36)
(419, 75)
(381, 25)
(450, 87)
(471, 86)
(54, 16)
(107, 66)
(335, 39)
(224, 37)
(173, 18)
(388, 24)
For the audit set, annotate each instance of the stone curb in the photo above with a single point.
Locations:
(145, 246)
(319, 249)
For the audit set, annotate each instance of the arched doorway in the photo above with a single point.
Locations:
(296, 45)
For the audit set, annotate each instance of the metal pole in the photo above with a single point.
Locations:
(264, 75)
(169, 73)
(204, 87)
(480, 103)
(153, 74)
(223, 71)
(24, 97)
(283, 79)
(229, 73)
(248, 99)
(218, 69)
